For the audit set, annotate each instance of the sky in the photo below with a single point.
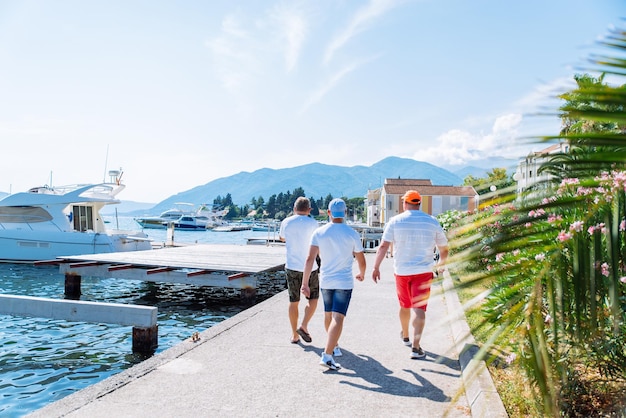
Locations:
(180, 93)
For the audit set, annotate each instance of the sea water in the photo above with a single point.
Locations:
(44, 360)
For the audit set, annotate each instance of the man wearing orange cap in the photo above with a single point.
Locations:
(414, 235)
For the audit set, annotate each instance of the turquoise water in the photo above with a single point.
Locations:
(43, 360)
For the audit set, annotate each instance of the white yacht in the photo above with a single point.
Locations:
(48, 222)
(185, 217)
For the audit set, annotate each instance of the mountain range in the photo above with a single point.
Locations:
(318, 180)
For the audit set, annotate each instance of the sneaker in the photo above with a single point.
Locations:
(337, 352)
(329, 362)
(417, 353)
(405, 340)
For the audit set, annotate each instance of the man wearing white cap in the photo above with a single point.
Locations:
(414, 236)
(338, 245)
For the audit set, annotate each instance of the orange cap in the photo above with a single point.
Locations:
(412, 197)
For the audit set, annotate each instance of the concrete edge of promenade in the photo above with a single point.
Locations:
(480, 391)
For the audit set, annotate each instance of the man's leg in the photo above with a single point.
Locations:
(309, 310)
(334, 331)
(328, 317)
(293, 320)
(405, 317)
(311, 305)
(419, 320)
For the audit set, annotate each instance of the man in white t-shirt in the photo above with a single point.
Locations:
(414, 236)
(296, 231)
(338, 245)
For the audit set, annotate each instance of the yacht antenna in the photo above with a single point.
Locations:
(106, 162)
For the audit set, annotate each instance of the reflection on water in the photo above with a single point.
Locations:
(44, 360)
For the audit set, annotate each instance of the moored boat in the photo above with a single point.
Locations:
(48, 222)
(187, 219)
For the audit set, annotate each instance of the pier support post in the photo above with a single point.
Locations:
(145, 340)
(170, 234)
(72, 286)
(248, 295)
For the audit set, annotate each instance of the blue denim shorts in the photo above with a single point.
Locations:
(336, 300)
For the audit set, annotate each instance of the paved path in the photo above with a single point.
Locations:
(246, 366)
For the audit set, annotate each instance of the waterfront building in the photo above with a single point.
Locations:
(385, 202)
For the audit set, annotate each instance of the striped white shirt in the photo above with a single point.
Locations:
(414, 235)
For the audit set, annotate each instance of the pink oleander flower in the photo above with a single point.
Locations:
(564, 236)
(605, 269)
(547, 319)
(540, 257)
(510, 358)
(499, 257)
(536, 213)
(567, 182)
(516, 252)
(577, 226)
(622, 279)
(528, 224)
(622, 225)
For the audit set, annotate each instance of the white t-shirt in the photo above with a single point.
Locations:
(296, 230)
(414, 235)
(337, 242)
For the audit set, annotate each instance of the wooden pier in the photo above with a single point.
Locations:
(232, 266)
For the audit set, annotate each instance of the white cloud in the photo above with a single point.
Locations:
(235, 54)
(325, 87)
(458, 147)
(507, 123)
(361, 21)
(544, 95)
(293, 29)
(331, 82)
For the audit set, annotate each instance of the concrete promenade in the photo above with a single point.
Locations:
(246, 366)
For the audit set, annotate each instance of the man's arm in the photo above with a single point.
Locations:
(308, 267)
(443, 256)
(380, 256)
(360, 259)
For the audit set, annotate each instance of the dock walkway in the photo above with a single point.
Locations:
(246, 366)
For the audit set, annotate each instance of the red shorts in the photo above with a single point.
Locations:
(414, 290)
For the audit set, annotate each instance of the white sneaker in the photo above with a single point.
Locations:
(337, 352)
(328, 361)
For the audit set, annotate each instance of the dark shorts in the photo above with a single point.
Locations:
(414, 290)
(294, 284)
(337, 300)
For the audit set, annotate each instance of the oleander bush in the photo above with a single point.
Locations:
(553, 258)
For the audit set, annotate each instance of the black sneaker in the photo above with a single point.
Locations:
(405, 340)
(417, 353)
